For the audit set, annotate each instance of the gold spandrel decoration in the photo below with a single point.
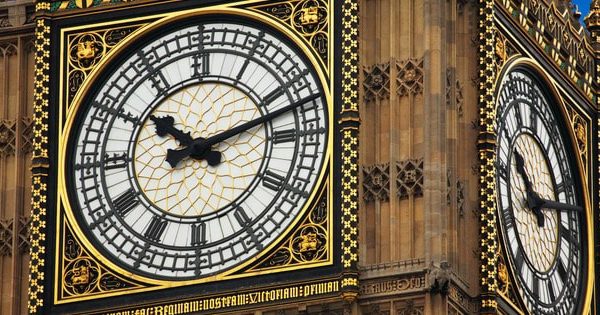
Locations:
(82, 275)
(308, 244)
(580, 131)
(309, 18)
(86, 50)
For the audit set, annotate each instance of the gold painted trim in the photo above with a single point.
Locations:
(551, 85)
(227, 275)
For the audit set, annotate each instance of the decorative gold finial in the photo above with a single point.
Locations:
(592, 20)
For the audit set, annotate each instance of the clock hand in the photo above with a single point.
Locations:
(521, 170)
(200, 147)
(532, 196)
(164, 126)
(535, 201)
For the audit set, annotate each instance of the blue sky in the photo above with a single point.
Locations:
(584, 7)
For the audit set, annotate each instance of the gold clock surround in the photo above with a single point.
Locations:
(153, 284)
(524, 62)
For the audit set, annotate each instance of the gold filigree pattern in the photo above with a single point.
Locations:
(552, 29)
(580, 130)
(309, 18)
(540, 244)
(82, 274)
(193, 187)
(308, 244)
(487, 157)
(85, 50)
(39, 167)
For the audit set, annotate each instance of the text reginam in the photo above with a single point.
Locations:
(233, 300)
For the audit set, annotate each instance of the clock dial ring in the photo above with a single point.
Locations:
(320, 109)
(553, 290)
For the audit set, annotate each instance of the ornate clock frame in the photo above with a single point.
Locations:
(73, 41)
(558, 51)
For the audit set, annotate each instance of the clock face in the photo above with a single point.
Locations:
(544, 240)
(198, 149)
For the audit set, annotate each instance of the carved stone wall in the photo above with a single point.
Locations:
(16, 99)
(419, 215)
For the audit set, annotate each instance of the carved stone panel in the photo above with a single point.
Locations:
(376, 84)
(410, 76)
(6, 236)
(409, 179)
(376, 182)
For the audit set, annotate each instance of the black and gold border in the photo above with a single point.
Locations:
(40, 165)
(349, 128)
(487, 157)
(339, 68)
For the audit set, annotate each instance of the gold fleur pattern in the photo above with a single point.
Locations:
(309, 18)
(37, 250)
(308, 244)
(82, 275)
(539, 243)
(349, 159)
(193, 187)
(86, 50)
(487, 156)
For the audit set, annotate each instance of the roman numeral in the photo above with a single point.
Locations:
(255, 46)
(116, 161)
(244, 220)
(273, 181)
(550, 287)
(155, 229)
(159, 81)
(199, 234)
(272, 96)
(126, 202)
(283, 136)
(201, 64)
(568, 236)
(519, 259)
(127, 117)
(502, 169)
(562, 272)
(536, 287)
(241, 216)
(277, 92)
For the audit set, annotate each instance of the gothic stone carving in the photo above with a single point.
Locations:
(6, 235)
(376, 182)
(7, 137)
(409, 308)
(376, 82)
(438, 279)
(410, 76)
(410, 178)
(26, 135)
(23, 235)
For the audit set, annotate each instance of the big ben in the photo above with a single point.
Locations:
(299, 157)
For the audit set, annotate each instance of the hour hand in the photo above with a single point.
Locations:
(165, 126)
(537, 203)
(521, 170)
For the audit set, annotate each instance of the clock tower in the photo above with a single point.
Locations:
(299, 157)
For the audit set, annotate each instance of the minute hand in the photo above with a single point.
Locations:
(537, 202)
(259, 121)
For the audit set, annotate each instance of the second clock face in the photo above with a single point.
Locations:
(199, 149)
(544, 242)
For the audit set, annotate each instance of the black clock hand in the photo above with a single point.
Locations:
(164, 126)
(535, 201)
(521, 170)
(200, 147)
(532, 196)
